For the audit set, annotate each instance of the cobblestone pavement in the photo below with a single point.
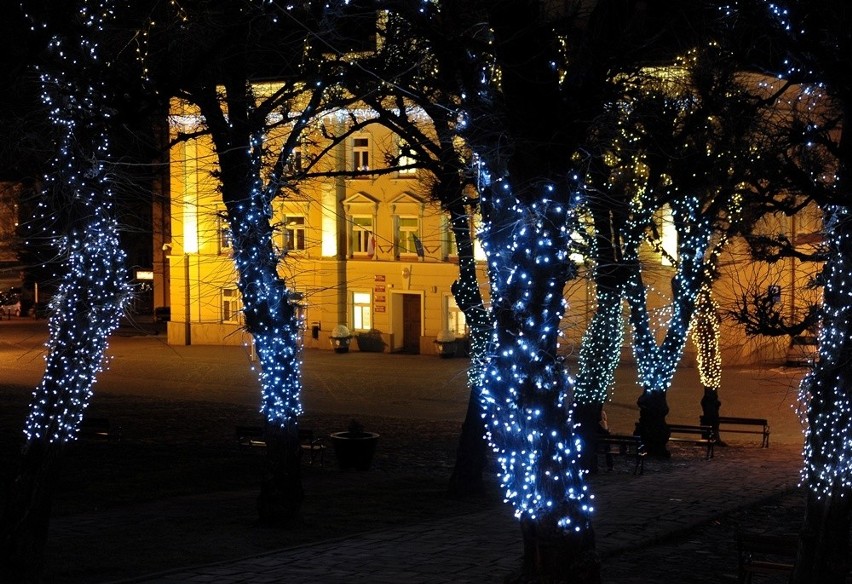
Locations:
(673, 524)
(646, 529)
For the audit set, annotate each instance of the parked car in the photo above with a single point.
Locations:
(803, 351)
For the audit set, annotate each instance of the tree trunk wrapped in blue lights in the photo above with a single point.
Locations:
(526, 391)
(92, 291)
(657, 363)
(269, 311)
(826, 393)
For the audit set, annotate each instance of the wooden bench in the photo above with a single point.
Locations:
(252, 437)
(733, 421)
(700, 435)
(624, 445)
(313, 445)
(98, 429)
(764, 554)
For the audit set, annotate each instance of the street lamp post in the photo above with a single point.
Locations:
(187, 301)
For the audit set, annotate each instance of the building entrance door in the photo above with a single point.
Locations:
(411, 323)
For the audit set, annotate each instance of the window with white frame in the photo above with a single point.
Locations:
(668, 233)
(296, 160)
(361, 153)
(363, 241)
(478, 252)
(406, 235)
(406, 158)
(362, 311)
(225, 237)
(231, 305)
(449, 239)
(294, 233)
(456, 321)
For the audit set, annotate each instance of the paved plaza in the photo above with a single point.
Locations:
(482, 547)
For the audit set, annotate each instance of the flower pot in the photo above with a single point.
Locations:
(354, 450)
(445, 348)
(340, 338)
(340, 344)
(370, 342)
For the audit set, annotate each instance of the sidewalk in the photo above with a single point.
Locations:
(671, 498)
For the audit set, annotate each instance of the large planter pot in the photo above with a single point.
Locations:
(370, 342)
(340, 344)
(340, 338)
(445, 349)
(354, 450)
(445, 344)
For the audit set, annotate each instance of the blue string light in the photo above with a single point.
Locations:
(526, 392)
(94, 289)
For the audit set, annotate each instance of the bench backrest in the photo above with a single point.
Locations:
(746, 421)
(687, 429)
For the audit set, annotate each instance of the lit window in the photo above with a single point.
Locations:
(669, 236)
(478, 252)
(407, 240)
(295, 163)
(456, 322)
(294, 234)
(225, 237)
(363, 240)
(361, 154)
(230, 305)
(406, 158)
(452, 246)
(362, 311)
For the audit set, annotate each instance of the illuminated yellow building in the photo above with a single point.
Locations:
(371, 253)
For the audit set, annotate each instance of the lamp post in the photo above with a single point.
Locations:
(187, 301)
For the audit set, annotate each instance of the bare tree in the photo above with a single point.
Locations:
(812, 41)
(94, 287)
(251, 41)
(682, 143)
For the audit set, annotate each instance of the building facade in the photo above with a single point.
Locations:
(370, 251)
(365, 248)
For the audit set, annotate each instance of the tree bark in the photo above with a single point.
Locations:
(281, 495)
(824, 541)
(553, 556)
(472, 453)
(269, 311)
(710, 406)
(588, 418)
(652, 427)
(705, 336)
(26, 515)
(91, 292)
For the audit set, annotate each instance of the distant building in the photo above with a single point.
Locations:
(374, 254)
